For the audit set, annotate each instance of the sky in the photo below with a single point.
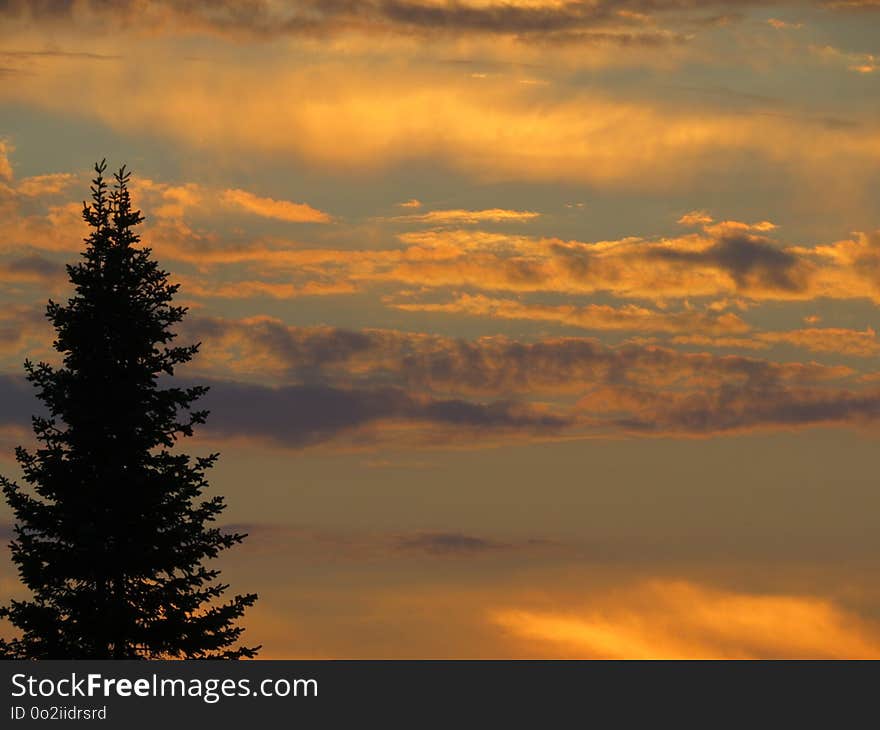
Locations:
(534, 329)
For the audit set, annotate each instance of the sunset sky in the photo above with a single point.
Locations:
(534, 329)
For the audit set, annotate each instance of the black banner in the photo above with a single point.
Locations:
(414, 694)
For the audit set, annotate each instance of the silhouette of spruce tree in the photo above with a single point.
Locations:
(111, 534)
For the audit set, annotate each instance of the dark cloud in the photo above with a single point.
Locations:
(301, 415)
(375, 385)
(731, 409)
(448, 543)
(17, 401)
(428, 382)
(490, 366)
(40, 9)
(317, 348)
(867, 262)
(317, 543)
(754, 262)
(297, 416)
(566, 22)
(18, 323)
(649, 39)
(32, 265)
(749, 258)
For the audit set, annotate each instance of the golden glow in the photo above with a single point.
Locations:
(680, 620)
(447, 217)
(335, 115)
(283, 210)
(587, 292)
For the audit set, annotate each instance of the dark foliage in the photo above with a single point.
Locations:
(111, 531)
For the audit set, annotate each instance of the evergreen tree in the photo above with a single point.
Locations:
(111, 531)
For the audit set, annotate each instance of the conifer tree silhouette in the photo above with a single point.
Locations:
(111, 531)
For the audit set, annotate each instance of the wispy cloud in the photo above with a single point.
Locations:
(863, 63)
(523, 20)
(600, 317)
(283, 210)
(676, 619)
(834, 340)
(486, 131)
(361, 545)
(448, 217)
(784, 24)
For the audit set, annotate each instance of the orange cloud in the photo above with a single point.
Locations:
(783, 24)
(726, 259)
(283, 210)
(29, 187)
(663, 619)
(50, 184)
(521, 27)
(5, 167)
(493, 215)
(857, 343)
(722, 228)
(729, 259)
(728, 263)
(379, 116)
(628, 317)
(695, 218)
(862, 343)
